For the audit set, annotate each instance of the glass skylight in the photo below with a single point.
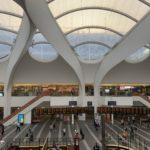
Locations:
(43, 53)
(11, 6)
(91, 52)
(119, 16)
(95, 18)
(98, 35)
(6, 36)
(5, 51)
(10, 21)
(139, 56)
(134, 8)
(38, 37)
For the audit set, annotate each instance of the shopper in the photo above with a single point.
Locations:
(96, 147)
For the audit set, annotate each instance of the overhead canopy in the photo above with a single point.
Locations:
(10, 21)
(92, 21)
(92, 28)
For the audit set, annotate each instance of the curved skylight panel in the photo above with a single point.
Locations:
(9, 22)
(90, 52)
(38, 37)
(139, 56)
(148, 1)
(8, 37)
(132, 7)
(5, 51)
(43, 53)
(96, 18)
(11, 6)
(98, 35)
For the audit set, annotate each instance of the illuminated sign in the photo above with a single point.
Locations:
(21, 118)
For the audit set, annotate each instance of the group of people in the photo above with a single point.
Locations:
(78, 134)
(130, 131)
(29, 135)
(55, 146)
(130, 120)
(11, 147)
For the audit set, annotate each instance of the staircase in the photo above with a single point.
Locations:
(143, 99)
(24, 109)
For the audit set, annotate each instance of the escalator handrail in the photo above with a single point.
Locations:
(45, 93)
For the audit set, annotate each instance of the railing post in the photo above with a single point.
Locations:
(103, 131)
(118, 139)
(39, 141)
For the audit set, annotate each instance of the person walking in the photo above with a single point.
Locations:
(96, 147)
(64, 132)
(82, 134)
(132, 132)
(18, 127)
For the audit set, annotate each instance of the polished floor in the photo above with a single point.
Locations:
(140, 141)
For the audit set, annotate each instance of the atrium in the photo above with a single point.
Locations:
(83, 52)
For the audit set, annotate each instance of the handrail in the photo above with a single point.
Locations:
(143, 97)
(45, 93)
(45, 146)
(118, 146)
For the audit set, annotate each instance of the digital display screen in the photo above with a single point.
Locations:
(72, 103)
(20, 118)
(111, 103)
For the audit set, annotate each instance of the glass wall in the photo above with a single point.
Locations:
(37, 89)
(124, 90)
(73, 90)
(89, 90)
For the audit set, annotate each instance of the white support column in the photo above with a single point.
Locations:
(96, 97)
(81, 97)
(112, 118)
(23, 41)
(27, 118)
(7, 96)
(135, 39)
(72, 119)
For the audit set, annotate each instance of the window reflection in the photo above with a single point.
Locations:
(54, 90)
(125, 90)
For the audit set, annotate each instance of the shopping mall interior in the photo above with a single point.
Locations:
(74, 74)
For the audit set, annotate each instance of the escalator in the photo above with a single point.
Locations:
(141, 99)
(24, 109)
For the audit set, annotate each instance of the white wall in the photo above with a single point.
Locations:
(89, 72)
(61, 101)
(3, 68)
(17, 101)
(54, 101)
(121, 101)
(27, 118)
(31, 71)
(64, 100)
(129, 73)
